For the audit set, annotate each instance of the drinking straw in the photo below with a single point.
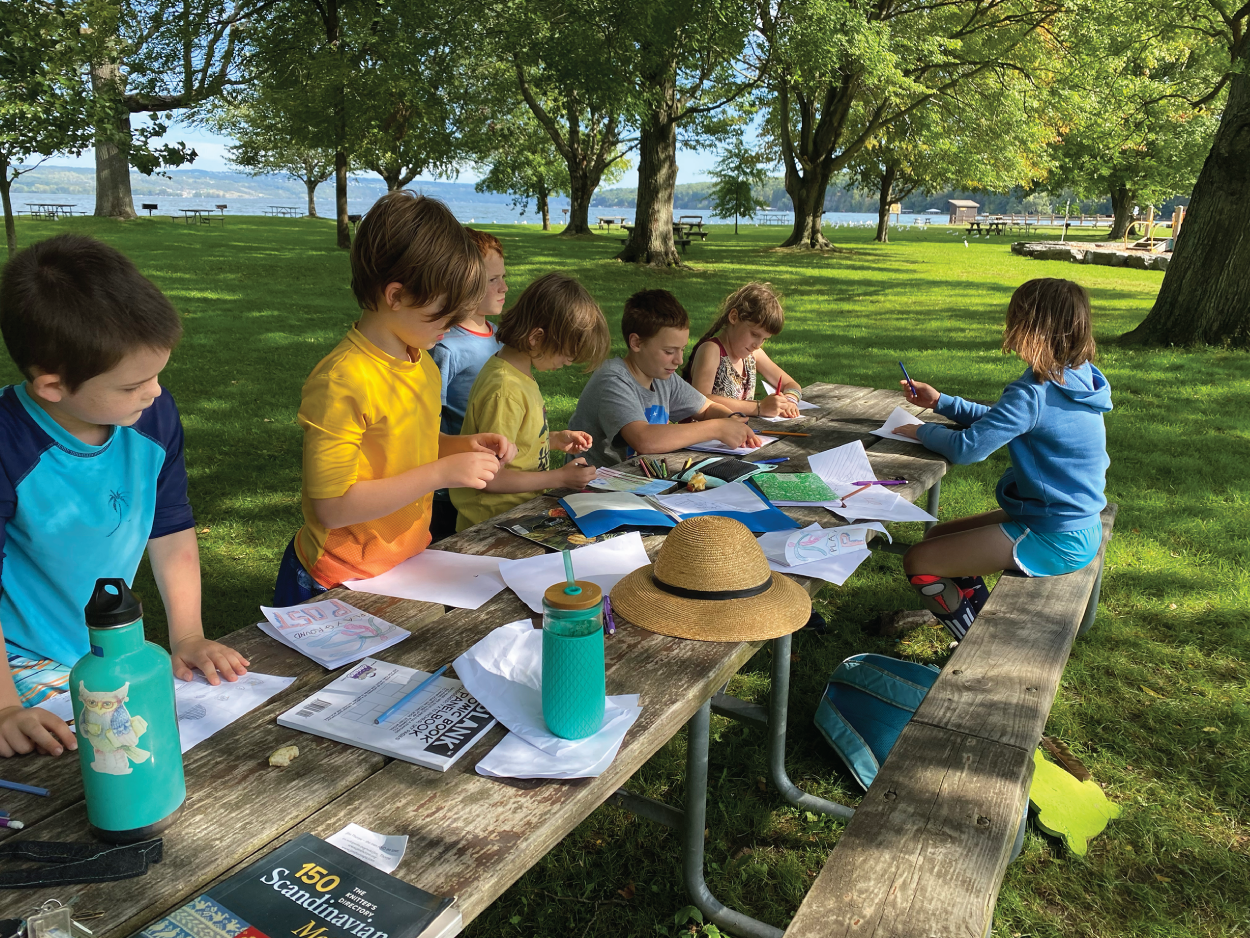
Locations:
(568, 570)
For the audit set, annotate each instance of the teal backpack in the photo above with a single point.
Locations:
(866, 704)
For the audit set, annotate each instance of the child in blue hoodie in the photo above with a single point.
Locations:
(1050, 419)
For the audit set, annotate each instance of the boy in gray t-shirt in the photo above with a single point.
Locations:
(628, 403)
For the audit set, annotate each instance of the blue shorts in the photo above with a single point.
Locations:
(1039, 554)
(295, 584)
(36, 679)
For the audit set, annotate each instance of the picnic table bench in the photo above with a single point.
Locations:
(472, 836)
(930, 843)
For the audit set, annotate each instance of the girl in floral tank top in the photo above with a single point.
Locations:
(727, 359)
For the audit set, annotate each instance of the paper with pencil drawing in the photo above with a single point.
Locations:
(898, 418)
(716, 446)
(809, 546)
(803, 405)
(847, 463)
(329, 631)
(835, 569)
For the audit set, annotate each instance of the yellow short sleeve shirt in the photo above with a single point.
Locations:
(366, 415)
(504, 400)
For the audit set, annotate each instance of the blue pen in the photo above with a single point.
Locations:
(771, 462)
(412, 693)
(908, 377)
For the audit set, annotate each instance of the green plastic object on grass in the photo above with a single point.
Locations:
(1068, 808)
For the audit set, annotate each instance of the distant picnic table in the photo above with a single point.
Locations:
(286, 211)
(607, 221)
(50, 210)
(200, 216)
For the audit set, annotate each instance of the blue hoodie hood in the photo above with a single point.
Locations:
(1056, 438)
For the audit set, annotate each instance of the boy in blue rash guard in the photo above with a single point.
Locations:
(1051, 421)
(91, 474)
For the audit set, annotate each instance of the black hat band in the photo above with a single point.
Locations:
(684, 593)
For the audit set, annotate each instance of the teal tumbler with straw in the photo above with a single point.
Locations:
(573, 671)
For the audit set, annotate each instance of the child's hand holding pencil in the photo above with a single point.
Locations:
(919, 393)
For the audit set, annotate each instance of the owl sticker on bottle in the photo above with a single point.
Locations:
(111, 729)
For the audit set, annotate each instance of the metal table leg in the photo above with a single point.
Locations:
(692, 837)
(777, 718)
(1091, 607)
(935, 493)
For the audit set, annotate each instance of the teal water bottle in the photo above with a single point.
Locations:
(573, 670)
(127, 722)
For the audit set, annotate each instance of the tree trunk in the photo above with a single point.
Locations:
(343, 226)
(1205, 297)
(581, 189)
(112, 168)
(544, 209)
(735, 223)
(807, 193)
(1122, 202)
(883, 204)
(10, 228)
(651, 241)
(311, 186)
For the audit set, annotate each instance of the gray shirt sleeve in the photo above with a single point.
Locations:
(684, 399)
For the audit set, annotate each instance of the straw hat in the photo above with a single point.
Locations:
(711, 581)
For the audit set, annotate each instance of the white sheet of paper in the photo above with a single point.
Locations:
(515, 758)
(204, 709)
(898, 418)
(716, 446)
(465, 581)
(733, 496)
(587, 502)
(504, 672)
(876, 503)
(381, 851)
(603, 564)
(58, 705)
(847, 463)
(836, 570)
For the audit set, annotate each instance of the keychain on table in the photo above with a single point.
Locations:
(53, 920)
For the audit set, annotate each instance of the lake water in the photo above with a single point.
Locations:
(488, 210)
(497, 210)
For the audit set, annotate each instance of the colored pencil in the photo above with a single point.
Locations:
(856, 492)
(28, 789)
(783, 433)
(412, 693)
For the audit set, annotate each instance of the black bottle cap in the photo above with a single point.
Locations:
(112, 604)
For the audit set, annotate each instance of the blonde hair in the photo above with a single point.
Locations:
(754, 302)
(1049, 326)
(571, 321)
(417, 242)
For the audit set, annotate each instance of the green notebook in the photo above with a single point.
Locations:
(794, 487)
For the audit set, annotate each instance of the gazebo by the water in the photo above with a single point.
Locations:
(962, 210)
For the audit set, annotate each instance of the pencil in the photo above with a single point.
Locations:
(856, 492)
(689, 461)
(642, 463)
(784, 433)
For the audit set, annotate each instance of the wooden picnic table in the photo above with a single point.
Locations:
(50, 210)
(470, 836)
(607, 221)
(286, 211)
(202, 216)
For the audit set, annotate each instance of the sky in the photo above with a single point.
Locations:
(210, 148)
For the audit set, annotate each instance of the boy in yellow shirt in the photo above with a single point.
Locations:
(373, 453)
(555, 322)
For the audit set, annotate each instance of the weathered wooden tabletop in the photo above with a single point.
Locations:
(469, 836)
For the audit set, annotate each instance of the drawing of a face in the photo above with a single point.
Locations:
(103, 702)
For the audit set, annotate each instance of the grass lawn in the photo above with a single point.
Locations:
(1156, 700)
